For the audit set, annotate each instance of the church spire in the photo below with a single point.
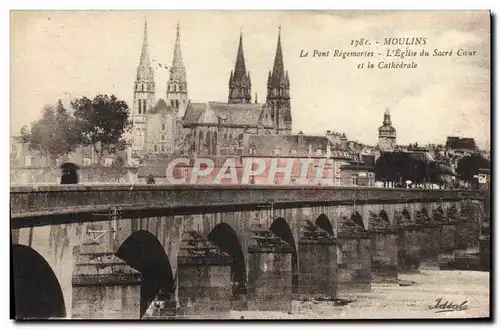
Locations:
(177, 92)
(278, 74)
(278, 93)
(239, 67)
(177, 60)
(144, 93)
(239, 80)
(144, 62)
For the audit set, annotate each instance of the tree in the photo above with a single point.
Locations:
(468, 166)
(402, 166)
(102, 123)
(53, 135)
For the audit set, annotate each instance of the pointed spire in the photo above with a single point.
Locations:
(144, 62)
(177, 60)
(239, 82)
(239, 67)
(177, 81)
(278, 69)
(145, 71)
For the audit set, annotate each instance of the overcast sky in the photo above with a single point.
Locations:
(69, 54)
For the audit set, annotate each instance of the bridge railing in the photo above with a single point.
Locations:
(42, 200)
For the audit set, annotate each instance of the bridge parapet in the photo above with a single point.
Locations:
(47, 200)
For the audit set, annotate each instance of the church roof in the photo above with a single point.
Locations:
(193, 112)
(265, 144)
(234, 114)
(161, 106)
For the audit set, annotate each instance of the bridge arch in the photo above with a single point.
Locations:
(226, 239)
(324, 223)
(143, 252)
(38, 293)
(358, 219)
(384, 216)
(452, 212)
(281, 229)
(422, 215)
(406, 214)
(438, 214)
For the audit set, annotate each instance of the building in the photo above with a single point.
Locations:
(156, 122)
(177, 126)
(144, 96)
(461, 145)
(324, 153)
(387, 134)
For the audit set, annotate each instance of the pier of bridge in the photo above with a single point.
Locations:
(142, 251)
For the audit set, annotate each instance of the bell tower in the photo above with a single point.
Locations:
(278, 94)
(144, 93)
(177, 89)
(240, 87)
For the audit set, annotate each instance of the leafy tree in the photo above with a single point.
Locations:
(102, 123)
(468, 166)
(402, 166)
(53, 135)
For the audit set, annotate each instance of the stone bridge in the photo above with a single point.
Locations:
(146, 251)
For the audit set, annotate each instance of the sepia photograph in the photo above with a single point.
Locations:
(250, 165)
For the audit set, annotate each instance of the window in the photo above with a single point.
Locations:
(28, 160)
(176, 103)
(293, 151)
(163, 148)
(162, 126)
(142, 106)
(162, 137)
(156, 148)
(276, 151)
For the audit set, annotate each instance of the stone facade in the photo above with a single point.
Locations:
(171, 230)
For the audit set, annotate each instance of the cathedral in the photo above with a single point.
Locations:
(174, 125)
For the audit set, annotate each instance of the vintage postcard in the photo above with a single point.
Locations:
(250, 164)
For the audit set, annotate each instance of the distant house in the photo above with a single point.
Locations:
(357, 175)
(461, 144)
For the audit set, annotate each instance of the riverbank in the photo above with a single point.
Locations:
(469, 290)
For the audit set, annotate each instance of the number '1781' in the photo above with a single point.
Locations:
(360, 42)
